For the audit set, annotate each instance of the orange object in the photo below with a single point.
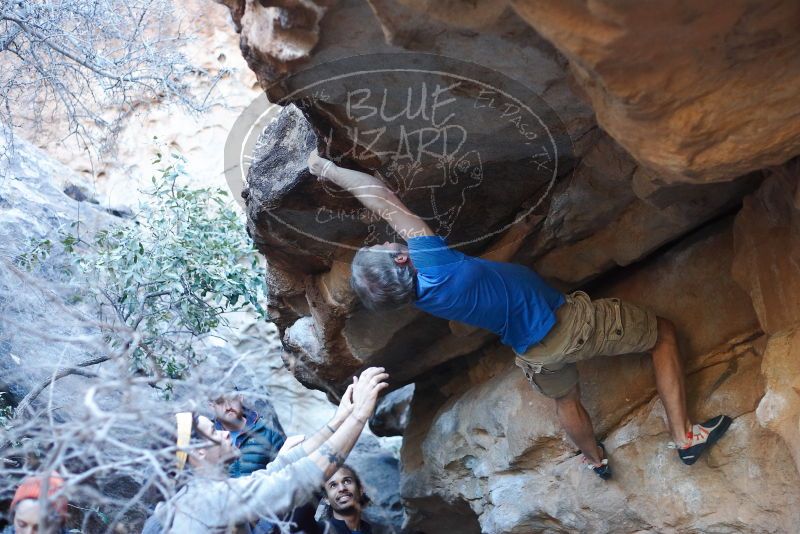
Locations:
(31, 488)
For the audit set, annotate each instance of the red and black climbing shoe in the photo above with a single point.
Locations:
(701, 437)
(603, 470)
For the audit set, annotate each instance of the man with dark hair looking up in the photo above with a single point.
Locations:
(549, 331)
(345, 500)
(343, 505)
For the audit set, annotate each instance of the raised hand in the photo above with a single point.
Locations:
(366, 390)
(319, 166)
(331, 454)
(345, 405)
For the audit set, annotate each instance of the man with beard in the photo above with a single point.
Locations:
(345, 500)
(256, 440)
(343, 504)
(211, 502)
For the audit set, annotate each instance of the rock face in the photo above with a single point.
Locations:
(393, 411)
(591, 221)
(779, 409)
(33, 209)
(696, 75)
(275, 38)
(481, 438)
(766, 265)
(673, 112)
(767, 262)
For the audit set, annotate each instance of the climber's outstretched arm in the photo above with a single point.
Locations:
(374, 194)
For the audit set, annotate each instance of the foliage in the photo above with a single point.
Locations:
(166, 280)
(38, 251)
(86, 64)
(144, 297)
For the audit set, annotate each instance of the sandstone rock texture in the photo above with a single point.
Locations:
(393, 411)
(766, 265)
(767, 262)
(697, 75)
(673, 187)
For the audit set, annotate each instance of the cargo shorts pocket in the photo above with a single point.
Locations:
(580, 330)
(552, 382)
(617, 329)
(624, 328)
(577, 342)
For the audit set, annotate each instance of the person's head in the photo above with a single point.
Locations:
(203, 445)
(344, 493)
(27, 510)
(229, 408)
(383, 276)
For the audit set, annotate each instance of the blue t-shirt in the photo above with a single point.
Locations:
(508, 299)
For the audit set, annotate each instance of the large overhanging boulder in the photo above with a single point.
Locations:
(678, 86)
(570, 227)
(586, 209)
(699, 92)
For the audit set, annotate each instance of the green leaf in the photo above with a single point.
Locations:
(187, 245)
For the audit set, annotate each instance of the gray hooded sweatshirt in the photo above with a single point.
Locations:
(230, 505)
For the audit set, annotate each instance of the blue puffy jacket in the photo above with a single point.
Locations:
(258, 443)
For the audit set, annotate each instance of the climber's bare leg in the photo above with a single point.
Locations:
(578, 425)
(670, 380)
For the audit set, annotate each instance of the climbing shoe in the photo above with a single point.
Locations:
(603, 470)
(701, 437)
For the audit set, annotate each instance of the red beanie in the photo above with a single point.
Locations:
(31, 488)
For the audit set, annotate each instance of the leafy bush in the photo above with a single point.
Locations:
(165, 280)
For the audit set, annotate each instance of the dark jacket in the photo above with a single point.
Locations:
(258, 443)
(336, 526)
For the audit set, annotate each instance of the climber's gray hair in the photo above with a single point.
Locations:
(380, 282)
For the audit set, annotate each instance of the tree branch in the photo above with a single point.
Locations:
(74, 57)
(61, 373)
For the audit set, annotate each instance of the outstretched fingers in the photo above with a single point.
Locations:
(363, 382)
(369, 385)
(378, 378)
(369, 372)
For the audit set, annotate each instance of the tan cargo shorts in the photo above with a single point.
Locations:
(585, 329)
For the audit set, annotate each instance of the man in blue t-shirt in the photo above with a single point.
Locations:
(548, 331)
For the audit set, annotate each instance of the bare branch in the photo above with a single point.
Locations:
(90, 63)
(77, 369)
